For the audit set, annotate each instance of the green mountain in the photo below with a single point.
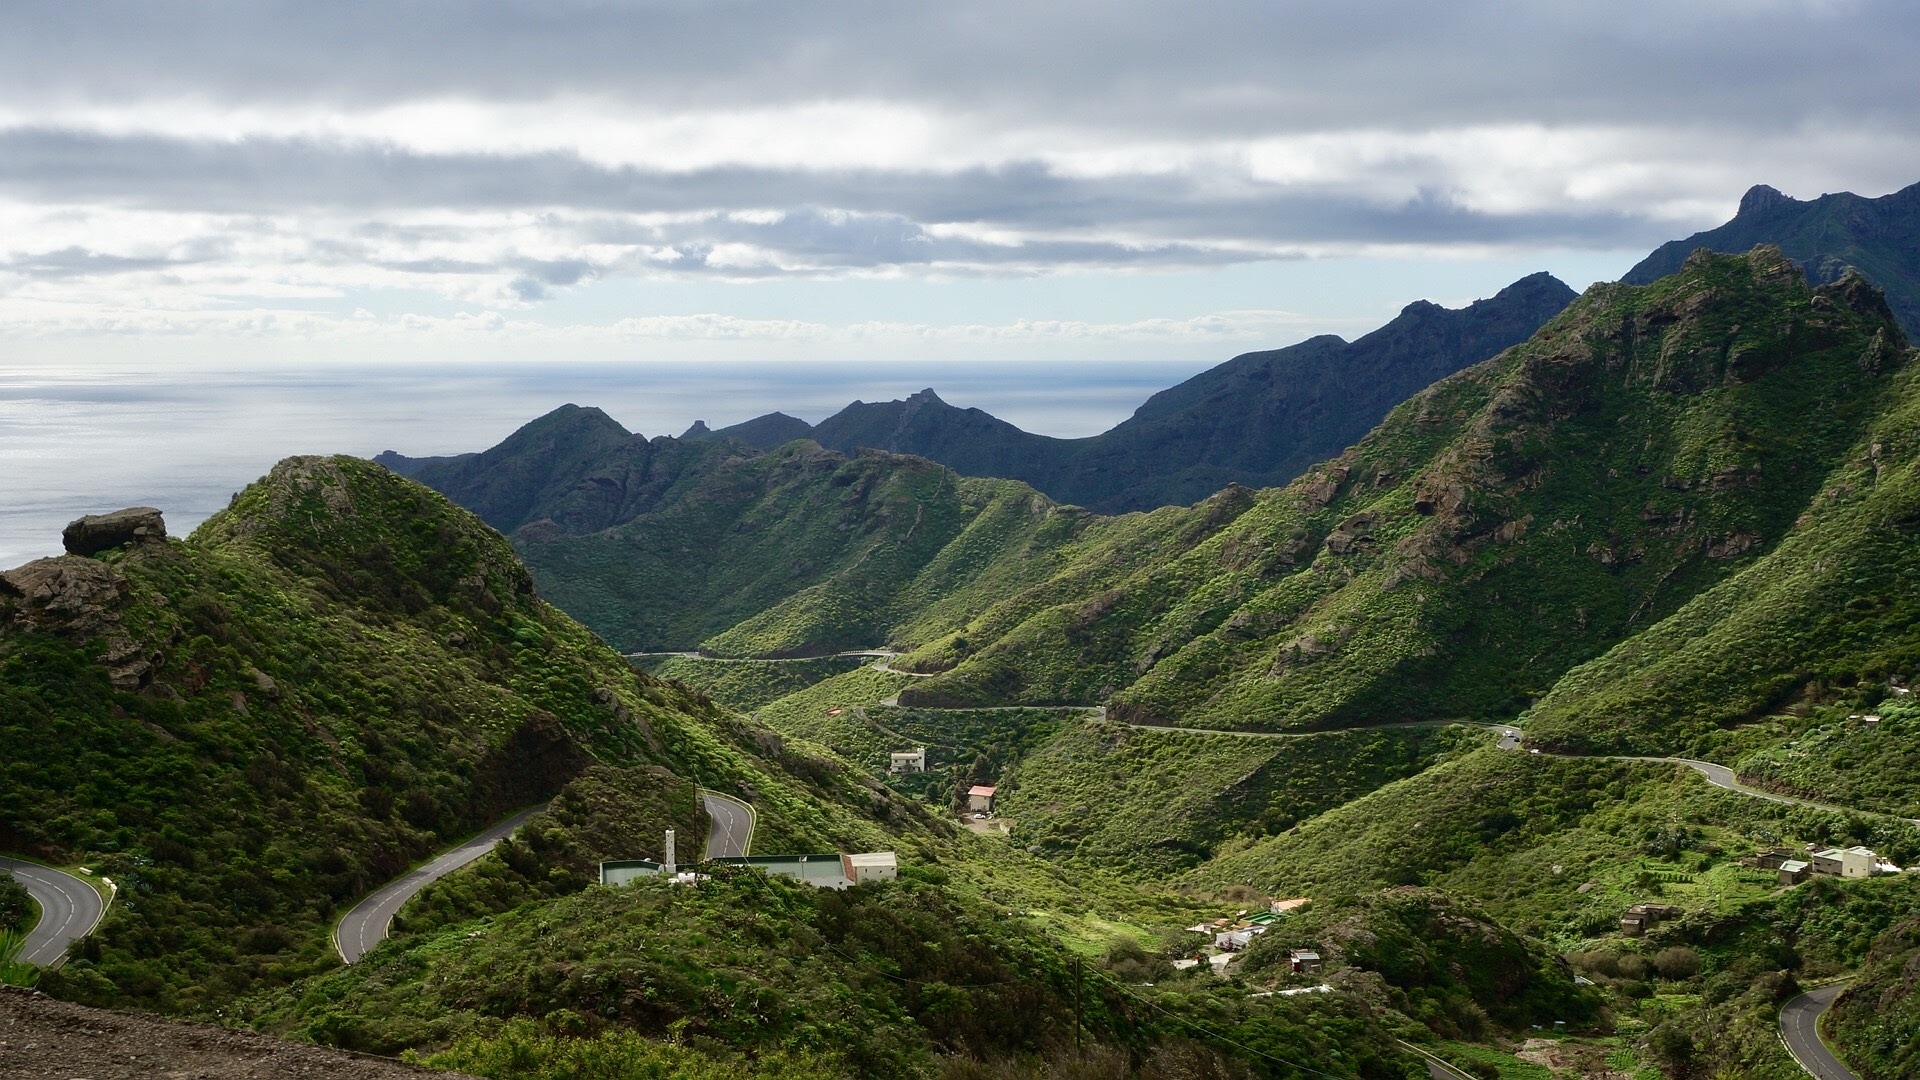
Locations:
(1827, 236)
(1259, 419)
(1500, 527)
(332, 678)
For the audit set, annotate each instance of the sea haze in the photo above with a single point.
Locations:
(74, 443)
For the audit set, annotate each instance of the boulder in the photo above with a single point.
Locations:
(67, 594)
(96, 533)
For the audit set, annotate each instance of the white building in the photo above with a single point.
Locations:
(907, 761)
(871, 866)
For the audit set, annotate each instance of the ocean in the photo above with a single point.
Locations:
(76, 442)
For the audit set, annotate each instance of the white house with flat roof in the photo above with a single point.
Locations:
(870, 866)
(907, 761)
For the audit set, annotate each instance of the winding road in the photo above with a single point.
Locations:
(367, 924)
(69, 910)
(1800, 1027)
(732, 830)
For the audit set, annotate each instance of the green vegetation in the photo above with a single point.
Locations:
(17, 909)
(748, 685)
(1828, 615)
(1446, 963)
(604, 813)
(332, 678)
(1150, 804)
(1877, 1019)
(875, 981)
(1847, 762)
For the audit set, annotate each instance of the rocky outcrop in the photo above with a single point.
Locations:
(67, 594)
(96, 533)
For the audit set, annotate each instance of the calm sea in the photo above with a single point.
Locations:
(74, 443)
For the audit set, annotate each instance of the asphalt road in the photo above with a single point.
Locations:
(1800, 1025)
(1722, 777)
(367, 924)
(69, 910)
(732, 829)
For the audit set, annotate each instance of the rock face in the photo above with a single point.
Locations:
(77, 595)
(96, 533)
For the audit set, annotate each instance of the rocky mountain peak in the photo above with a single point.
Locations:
(1761, 200)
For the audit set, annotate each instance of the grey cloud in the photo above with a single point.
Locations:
(1128, 64)
(855, 217)
(78, 262)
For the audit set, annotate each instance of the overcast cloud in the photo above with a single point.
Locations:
(440, 171)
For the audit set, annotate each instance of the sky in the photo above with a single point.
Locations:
(265, 186)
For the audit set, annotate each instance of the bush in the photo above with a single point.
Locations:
(16, 907)
(1677, 962)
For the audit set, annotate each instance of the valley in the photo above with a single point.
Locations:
(1499, 713)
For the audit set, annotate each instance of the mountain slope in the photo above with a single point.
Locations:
(1834, 604)
(1879, 237)
(1498, 528)
(336, 675)
(1259, 419)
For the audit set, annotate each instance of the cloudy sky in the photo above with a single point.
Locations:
(257, 183)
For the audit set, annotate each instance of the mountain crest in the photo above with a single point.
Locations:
(1761, 200)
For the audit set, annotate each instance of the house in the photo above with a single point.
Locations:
(1853, 862)
(1304, 961)
(907, 761)
(1235, 940)
(1641, 917)
(873, 866)
(980, 798)
(1282, 907)
(1794, 871)
(1773, 858)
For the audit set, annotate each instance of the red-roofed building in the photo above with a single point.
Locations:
(980, 798)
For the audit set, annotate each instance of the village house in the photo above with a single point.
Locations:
(1641, 917)
(980, 799)
(1794, 871)
(1853, 862)
(1304, 961)
(908, 761)
(1282, 907)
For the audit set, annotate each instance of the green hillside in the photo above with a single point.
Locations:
(1497, 529)
(337, 675)
(1829, 613)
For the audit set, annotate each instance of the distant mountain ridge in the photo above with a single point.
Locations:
(1879, 237)
(1259, 419)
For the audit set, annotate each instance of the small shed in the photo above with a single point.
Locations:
(908, 761)
(1794, 871)
(871, 866)
(1304, 961)
(980, 798)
